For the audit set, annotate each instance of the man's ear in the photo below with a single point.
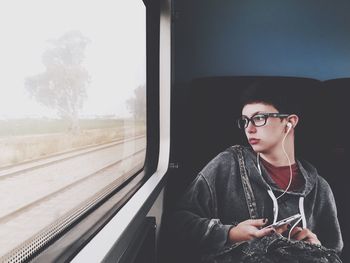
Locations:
(293, 119)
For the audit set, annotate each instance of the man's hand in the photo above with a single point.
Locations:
(249, 229)
(305, 234)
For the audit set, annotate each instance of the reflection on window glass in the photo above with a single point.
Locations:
(72, 111)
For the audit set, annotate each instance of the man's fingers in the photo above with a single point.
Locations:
(313, 240)
(310, 237)
(300, 235)
(257, 222)
(282, 229)
(304, 234)
(295, 231)
(265, 232)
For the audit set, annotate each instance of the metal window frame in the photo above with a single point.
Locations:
(110, 224)
(111, 242)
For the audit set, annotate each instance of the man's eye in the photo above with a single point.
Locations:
(259, 117)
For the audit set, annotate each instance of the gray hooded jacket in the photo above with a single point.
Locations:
(216, 201)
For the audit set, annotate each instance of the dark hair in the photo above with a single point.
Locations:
(275, 91)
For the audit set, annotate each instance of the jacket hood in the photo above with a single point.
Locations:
(308, 171)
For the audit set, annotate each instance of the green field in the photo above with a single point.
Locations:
(26, 140)
(43, 126)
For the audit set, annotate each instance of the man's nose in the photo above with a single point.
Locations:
(251, 128)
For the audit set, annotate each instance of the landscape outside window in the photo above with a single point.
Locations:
(72, 108)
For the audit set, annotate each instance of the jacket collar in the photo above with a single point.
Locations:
(307, 170)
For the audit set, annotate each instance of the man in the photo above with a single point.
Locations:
(243, 190)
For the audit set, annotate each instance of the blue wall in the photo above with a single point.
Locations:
(272, 37)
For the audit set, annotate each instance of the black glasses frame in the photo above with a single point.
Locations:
(259, 115)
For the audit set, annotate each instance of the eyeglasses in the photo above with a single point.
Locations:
(258, 120)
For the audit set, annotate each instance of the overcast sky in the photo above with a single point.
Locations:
(115, 57)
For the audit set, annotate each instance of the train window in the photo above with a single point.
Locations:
(72, 112)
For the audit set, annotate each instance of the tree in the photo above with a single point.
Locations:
(63, 85)
(137, 104)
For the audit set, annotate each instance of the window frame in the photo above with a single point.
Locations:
(67, 245)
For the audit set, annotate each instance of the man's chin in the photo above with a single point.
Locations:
(256, 147)
(259, 148)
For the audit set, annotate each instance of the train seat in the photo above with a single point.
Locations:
(214, 107)
(210, 120)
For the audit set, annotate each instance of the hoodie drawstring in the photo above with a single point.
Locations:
(275, 207)
(302, 212)
(275, 203)
(275, 211)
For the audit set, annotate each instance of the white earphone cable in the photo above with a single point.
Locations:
(289, 184)
(290, 165)
(289, 162)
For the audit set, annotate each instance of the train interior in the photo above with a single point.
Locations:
(219, 48)
(209, 127)
(201, 54)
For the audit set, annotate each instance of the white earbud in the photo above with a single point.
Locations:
(290, 126)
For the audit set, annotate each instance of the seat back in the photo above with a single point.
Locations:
(338, 150)
(208, 125)
(213, 108)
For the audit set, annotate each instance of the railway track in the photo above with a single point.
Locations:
(55, 188)
(13, 170)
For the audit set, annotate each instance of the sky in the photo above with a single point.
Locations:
(115, 57)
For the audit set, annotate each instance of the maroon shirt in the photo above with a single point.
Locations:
(281, 174)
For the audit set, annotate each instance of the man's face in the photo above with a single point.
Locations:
(266, 138)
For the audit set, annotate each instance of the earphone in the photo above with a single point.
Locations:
(289, 125)
(274, 199)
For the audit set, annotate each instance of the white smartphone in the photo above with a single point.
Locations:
(284, 221)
